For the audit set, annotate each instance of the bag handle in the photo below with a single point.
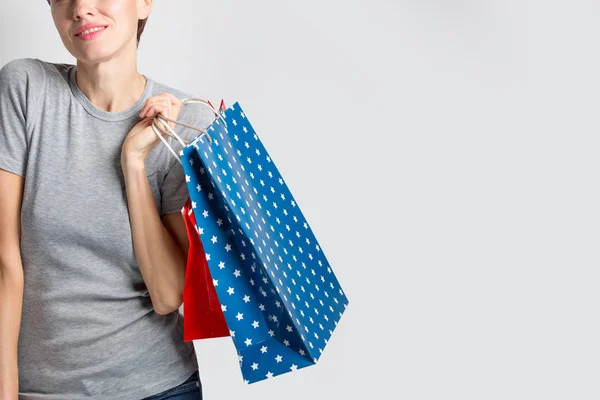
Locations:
(168, 131)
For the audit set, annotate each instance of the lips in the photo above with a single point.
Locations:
(89, 26)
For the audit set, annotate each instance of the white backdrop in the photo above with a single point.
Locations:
(445, 155)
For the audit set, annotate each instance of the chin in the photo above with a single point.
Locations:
(93, 55)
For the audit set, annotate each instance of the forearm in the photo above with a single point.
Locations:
(11, 305)
(161, 261)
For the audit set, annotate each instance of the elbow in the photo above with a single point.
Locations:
(165, 308)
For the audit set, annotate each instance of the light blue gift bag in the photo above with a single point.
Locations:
(278, 293)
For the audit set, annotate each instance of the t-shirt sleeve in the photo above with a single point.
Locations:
(20, 82)
(174, 191)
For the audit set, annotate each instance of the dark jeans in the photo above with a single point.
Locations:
(191, 389)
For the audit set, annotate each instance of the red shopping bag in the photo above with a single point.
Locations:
(202, 314)
(221, 106)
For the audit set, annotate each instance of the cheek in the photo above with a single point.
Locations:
(119, 11)
(115, 8)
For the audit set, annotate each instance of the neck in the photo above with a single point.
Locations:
(113, 85)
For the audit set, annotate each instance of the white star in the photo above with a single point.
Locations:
(205, 213)
(294, 367)
(271, 332)
(248, 341)
(240, 317)
(247, 299)
(263, 349)
(199, 188)
(228, 247)
(255, 324)
(236, 273)
(221, 265)
(215, 282)
(278, 358)
(255, 366)
(214, 239)
(269, 375)
(208, 257)
(230, 290)
(223, 307)
(187, 178)
(231, 333)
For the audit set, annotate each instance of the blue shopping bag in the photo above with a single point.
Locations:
(278, 293)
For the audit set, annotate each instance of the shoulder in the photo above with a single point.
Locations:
(21, 68)
(22, 83)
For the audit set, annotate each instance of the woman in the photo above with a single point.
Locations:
(92, 241)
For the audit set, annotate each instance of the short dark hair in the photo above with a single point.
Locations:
(140, 30)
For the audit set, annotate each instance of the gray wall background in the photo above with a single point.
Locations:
(444, 153)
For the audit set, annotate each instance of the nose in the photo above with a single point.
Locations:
(83, 8)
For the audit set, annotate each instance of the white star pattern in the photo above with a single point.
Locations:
(264, 259)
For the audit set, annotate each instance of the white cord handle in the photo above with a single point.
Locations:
(170, 132)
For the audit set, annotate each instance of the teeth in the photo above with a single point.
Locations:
(88, 31)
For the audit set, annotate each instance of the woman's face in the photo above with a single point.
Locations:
(118, 17)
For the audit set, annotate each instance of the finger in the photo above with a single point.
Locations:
(145, 112)
(166, 108)
(153, 109)
(170, 115)
(175, 105)
(144, 109)
(172, 98)
(165, 96)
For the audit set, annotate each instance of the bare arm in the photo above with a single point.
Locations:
(11, 281)
(160, 255)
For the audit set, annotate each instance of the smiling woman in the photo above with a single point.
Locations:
(140, 27)
(92, 206)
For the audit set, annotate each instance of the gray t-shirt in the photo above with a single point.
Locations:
(88, 328)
